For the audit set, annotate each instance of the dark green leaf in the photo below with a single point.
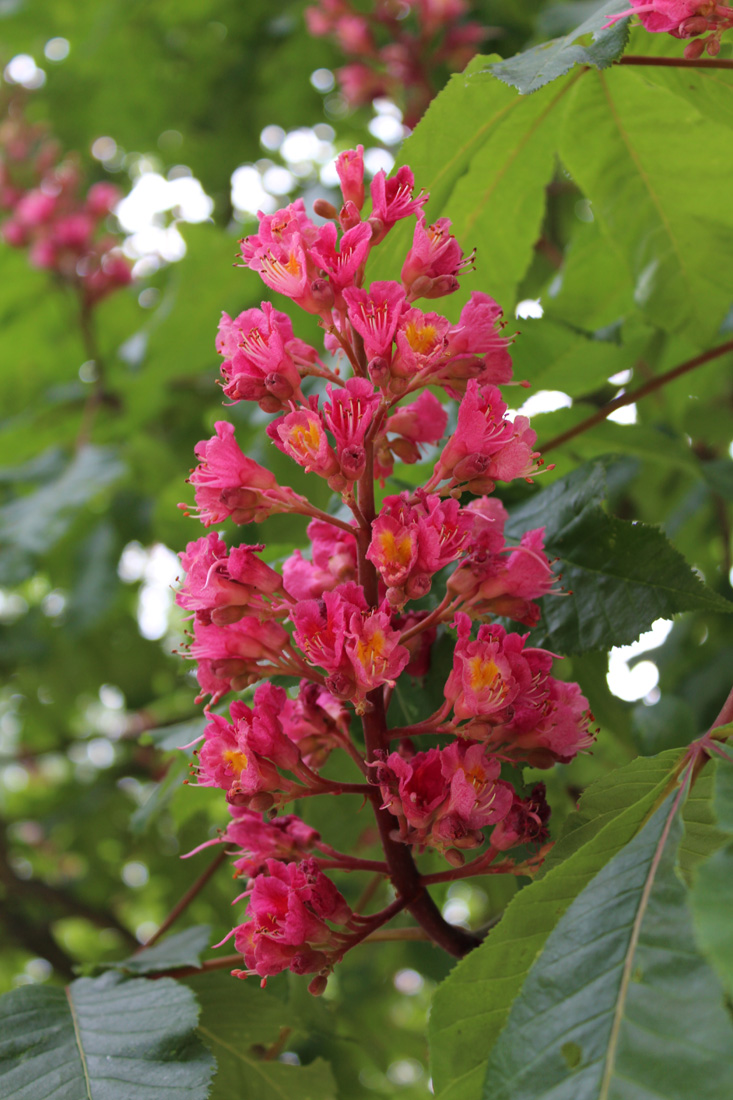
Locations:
(534, 68)
(102, 1039)
(618, 1003)
(619, 576)
(181, 949)
(34, 523)
(712, 891)
(472, 1005)
(240, 1023)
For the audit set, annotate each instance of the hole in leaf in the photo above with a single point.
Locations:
(572, 1054)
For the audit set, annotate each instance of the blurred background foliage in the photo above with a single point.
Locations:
(93, 812)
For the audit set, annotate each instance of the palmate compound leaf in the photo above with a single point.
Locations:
(619, 576)
(536, 67)
(102, 1039)
(619, 1004)
(472, 1005)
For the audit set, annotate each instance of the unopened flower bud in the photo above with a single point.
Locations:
(712, 46)
(278, 385)
(694, 49)
(318, 985)
(224, 616)
(379, 230)
(378, 370)
(270, 404)
(261, 802)
(470, 467)
(337, 483)
(340, 685)
(322, 292)
(454, 857)
(405, 450)
(349, 216)
(418, 586)
(353, 462)
(325, 209)
(396, 598)
(398, 386)
(696, 24)
(442, 285)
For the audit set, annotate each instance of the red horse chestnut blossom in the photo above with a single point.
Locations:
(358, 610)
(684, 19)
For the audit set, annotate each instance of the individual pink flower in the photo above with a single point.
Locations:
(434, 262)
(334, 561)
(230, 485)
(422, 421)
(506, 582)
(231, 657)
(486, 446)
(492, 673)
(301, 435)
(525, 823)
(475, 347)
(260, 346)
(348, 414)
(255, 840)
(343, 265)
(220, 584)
(421, 340)
(288, 907)
(375, 314)
(316, 722)
(659, 16)
(350, 170)
(320, 625)
(392, 200)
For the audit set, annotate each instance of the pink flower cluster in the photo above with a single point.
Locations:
(395, 49)
(684, 19)
(61, 230)
(361, 610)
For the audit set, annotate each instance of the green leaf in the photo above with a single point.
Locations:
(534, 68)
(102, 1039)
(619, 576)
(618, 1004)
(32, 524)
(472, 1005)
(485, 154)
(182, 949)
(240, 1022)
(628, 146)
(712, 891)
(159, 797)
(557, 357)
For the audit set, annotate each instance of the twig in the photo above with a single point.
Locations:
(676, 62)
(185, 901)
(635, 395)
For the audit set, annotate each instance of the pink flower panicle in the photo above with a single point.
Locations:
(402, 51)
(686, 19)
(61, 228)
(360, 610)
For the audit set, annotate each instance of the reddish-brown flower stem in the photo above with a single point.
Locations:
(185, 901)
(677, 62)
(443, 610)
(403, 872)
(378, 866)
(635, 395)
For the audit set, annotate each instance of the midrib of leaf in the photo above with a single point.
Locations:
(475, 138)
(249, 1062)
(633, 944)
(647, 183)
(519, 148)
(77, 1037)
